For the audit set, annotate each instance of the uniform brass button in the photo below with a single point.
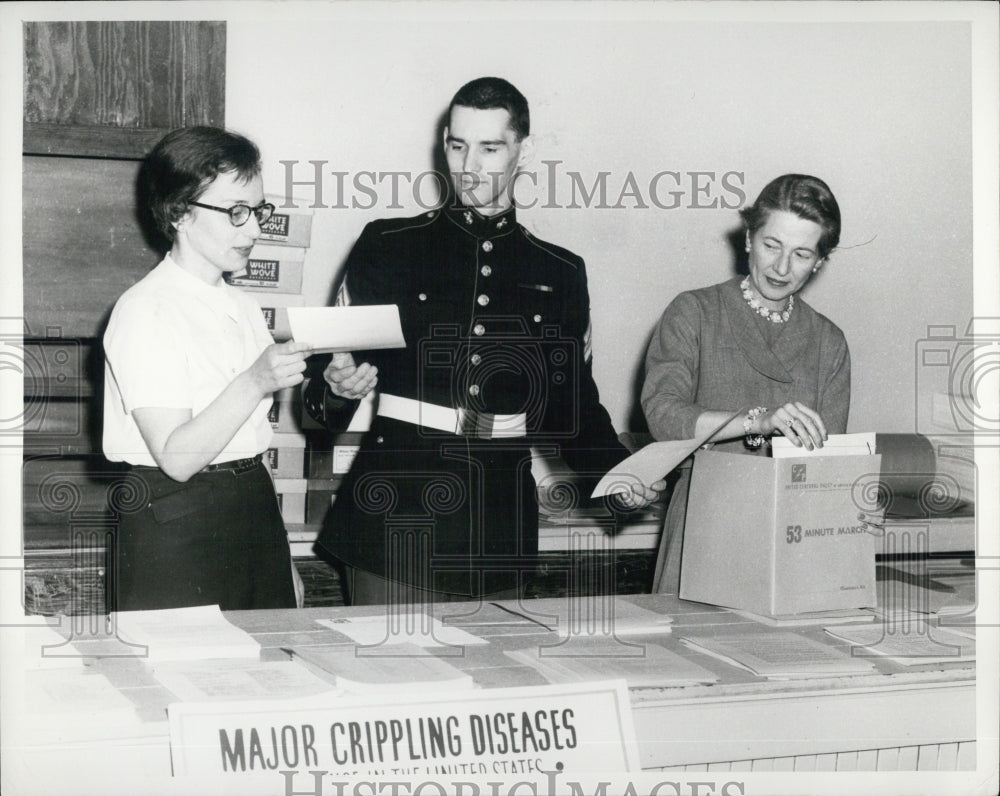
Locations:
(380, 439)
(422, 297)
(538, 319)
(474, 389)
(483, 300)
(487, 246)
(476, 359)
(479, 330)
(486, 270)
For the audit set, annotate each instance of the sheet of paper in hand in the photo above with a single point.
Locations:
(651, 463)
(334, 329)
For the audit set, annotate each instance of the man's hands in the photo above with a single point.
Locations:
(348, 380)
(639, 495)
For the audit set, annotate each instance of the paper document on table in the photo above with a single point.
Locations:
(778, 654)
(834, 445)
(395, 628)
(206, 681)
(651, 463)
(334, 329)
(195, 633)
(593, 659)
(401, 669)
(910, 643)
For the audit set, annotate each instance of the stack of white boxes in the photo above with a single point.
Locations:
(273, 276)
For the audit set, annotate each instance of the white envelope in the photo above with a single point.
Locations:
(334, 329)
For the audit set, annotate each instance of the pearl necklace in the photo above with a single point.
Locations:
(774, 316)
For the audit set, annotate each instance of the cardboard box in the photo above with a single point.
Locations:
(291, 499)
(780, 536)
(271, 268)
(293, 507)
(287, 462)
(288, 439)
(290, 226)
(274, 305)
(319, 500)
(285, 416)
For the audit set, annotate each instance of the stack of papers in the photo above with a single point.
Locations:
(185, 634)
(910, 643)
(843, 616)
(591, 660)
(834, 445)
(397, 669)
(206, 681)
(74, 705)
(595, 615)
(779, 655)
(398, 628)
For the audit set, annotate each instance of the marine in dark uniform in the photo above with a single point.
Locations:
(441, 496)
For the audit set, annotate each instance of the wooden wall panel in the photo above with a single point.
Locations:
(98, 95)
(82, 243)
(146, 77)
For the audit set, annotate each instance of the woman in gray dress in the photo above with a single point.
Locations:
(751, 345)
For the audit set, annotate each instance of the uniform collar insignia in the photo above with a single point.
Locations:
(473, 222)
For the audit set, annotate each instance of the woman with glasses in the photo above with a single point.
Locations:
(190, 376)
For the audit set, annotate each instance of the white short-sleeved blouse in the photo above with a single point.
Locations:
(174, 341)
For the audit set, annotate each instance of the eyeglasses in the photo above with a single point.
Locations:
(240, 214)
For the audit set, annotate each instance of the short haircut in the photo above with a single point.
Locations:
(487, 93)
(807, 197)
(185, 162)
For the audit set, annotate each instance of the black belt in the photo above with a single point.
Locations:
(235, 466)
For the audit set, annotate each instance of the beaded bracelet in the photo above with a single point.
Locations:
(753, 440)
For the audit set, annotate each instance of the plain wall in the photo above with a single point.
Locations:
(881, 111)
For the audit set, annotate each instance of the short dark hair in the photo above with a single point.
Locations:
(487, 93)
(807, 197)
(185, 162)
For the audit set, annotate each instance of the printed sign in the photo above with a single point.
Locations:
(582, 727)
(277, 225)
(258, 273)
(343, 457)
(268, 317)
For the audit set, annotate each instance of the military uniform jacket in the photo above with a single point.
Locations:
(496, 322)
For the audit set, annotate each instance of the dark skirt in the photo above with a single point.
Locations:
(218, 539)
